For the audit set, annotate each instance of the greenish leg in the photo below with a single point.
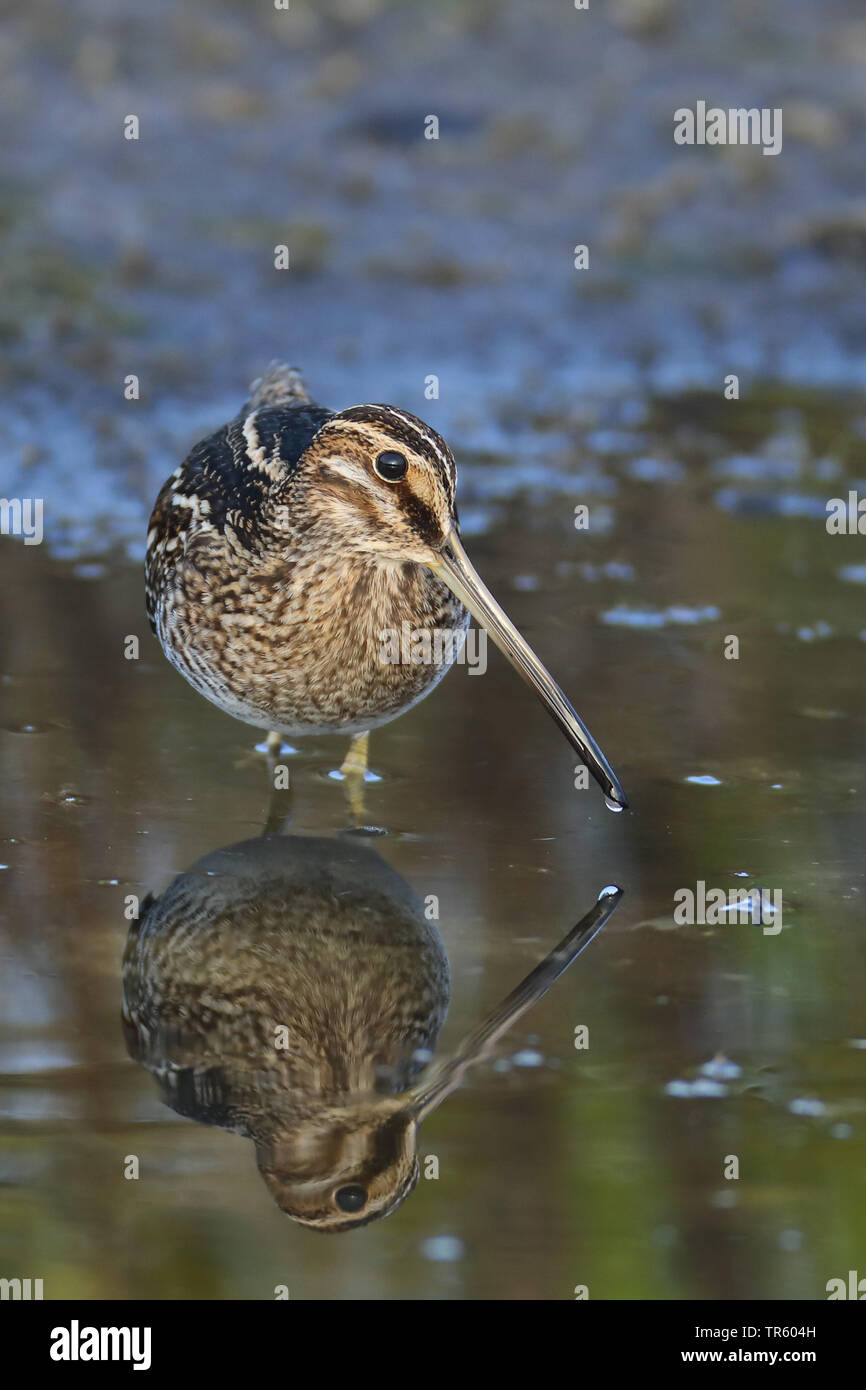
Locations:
(353, 773)
(274, 742)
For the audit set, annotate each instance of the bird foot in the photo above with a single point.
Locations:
(355, 774)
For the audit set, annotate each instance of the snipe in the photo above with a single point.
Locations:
(292, 989)
(286, 545)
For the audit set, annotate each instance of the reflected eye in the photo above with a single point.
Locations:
(351, 1198)
(391, 466)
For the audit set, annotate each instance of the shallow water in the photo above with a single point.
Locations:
(558, 1167)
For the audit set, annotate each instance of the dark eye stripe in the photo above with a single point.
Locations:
(424, 522)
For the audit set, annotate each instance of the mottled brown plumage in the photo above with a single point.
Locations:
(277, 558)
(292, 989)
(289, 989)
(291, 546)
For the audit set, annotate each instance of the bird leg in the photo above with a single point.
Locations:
(273, 744)
(354, 773)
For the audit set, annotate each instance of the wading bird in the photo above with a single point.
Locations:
(291, 989)
(286, 545)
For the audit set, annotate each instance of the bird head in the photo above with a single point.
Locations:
(343, 1167)
(384, 482)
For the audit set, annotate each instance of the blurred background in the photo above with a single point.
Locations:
(454, 258)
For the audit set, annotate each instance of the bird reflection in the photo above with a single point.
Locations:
(291, 989)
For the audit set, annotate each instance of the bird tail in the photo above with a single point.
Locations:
(279, 385)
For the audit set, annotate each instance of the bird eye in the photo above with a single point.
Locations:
(350, 1198)
(391, 466)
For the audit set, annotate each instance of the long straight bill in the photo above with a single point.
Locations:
(455, 568)
(480, 1043)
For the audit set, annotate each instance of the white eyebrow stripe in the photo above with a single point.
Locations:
(378, 438)
(375, 436)
(420, 429)
(378, 432)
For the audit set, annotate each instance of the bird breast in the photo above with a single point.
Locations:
(321, 643)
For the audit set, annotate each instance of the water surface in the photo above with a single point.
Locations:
(602, 1167)
(557, 1167)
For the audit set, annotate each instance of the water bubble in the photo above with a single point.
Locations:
(815, 632)
(699, 1088)
(616, 569)
(528, 1058)
(443, 1249)
(704, 781)
(682, 613)
(721, 1069)
(632, 617)
(613, 805)
(841, 1131)
(790, 1241)
(724, 1199)
(610, 891)
(807, 1105)
(66, 796)
(678, 1088)
(649, 618)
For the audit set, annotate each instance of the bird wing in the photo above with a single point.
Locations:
(227, 479)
